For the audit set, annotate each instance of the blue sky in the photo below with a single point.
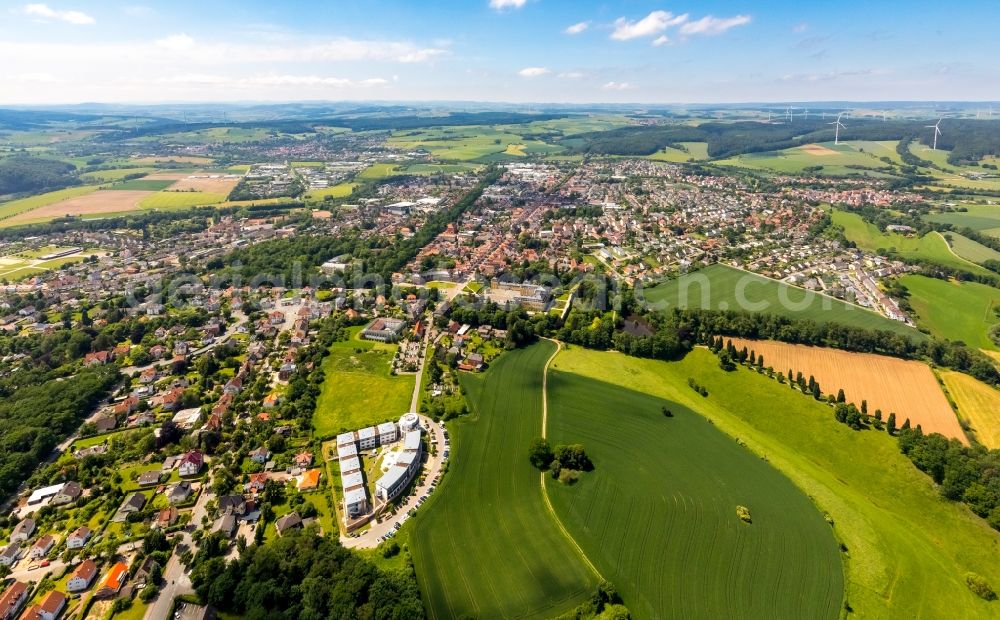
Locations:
(67, 51)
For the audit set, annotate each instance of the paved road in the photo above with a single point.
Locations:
(415, 400)
(223, 338)
(176, 583)
(432, 468)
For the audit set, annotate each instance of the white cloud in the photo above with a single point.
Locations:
(500, 5)
(571, 75)
(271, 80)
(710, 25)
(616, 86)
(176, 43)
(531, 72)
(45, 12)
(577, 28)
(661, 40)
(651, 25)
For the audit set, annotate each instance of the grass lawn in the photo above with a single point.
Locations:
(954, 310)
(116, 174)
(485, 545)
(359, 391)
(931, 246)
(377, 172)
(908, 549)
(662, 526)
(716, 287)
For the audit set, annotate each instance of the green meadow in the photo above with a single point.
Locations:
(931, 246)
(358, 390)
(954, 310)
(485, 545)
(836, 159)
(658, 513)
(980, 217)
(14, 207)
(906, 549)
(971, 250)
(180, 200)
(718, 287)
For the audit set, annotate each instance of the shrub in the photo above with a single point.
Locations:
(569, 476)
(744, 514)
(980, 587)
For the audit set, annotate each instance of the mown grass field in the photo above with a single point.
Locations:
(658, 514)
(485, 545)
(931, 246)
(358, 390)
(908, 549)
(954, 310)
(117, 174)
(716, 287)
(978, 406)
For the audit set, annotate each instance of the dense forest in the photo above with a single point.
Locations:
(37, 411)
(23, 174)
(303, 576)
(969, 140)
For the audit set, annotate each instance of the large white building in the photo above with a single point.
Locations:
(387, 433)
(399, 475)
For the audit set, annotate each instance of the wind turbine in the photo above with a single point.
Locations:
(788, 113)
(937, 132)
(836, 128)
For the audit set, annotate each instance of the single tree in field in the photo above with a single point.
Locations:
(540, 454)
(878, 414)
(906, 424)
(667, 413)
(890, 424)
(841, 398)
(864, 407)
(815, 390)
(790, 380)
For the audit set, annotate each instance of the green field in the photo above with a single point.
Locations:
(142, 185)
(954, 310)
(472, 143)
(658, 514)
(690, 150)
(14, 207)
(180, 200)
(358, 390)
(341, 190)
(717, 286)
(979, 217)
(971, 250)
(908, 550)
(117, 174)
(931, 246)
(485, 545)
(836, 159)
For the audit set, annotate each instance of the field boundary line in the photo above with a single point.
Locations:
(545, 493)
(952, 250)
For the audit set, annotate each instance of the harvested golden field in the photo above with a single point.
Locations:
(101, 201)
(205, 182)
(906, 387)
(165, 176)
(180, 159)
(818, 149)
(978, 405)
